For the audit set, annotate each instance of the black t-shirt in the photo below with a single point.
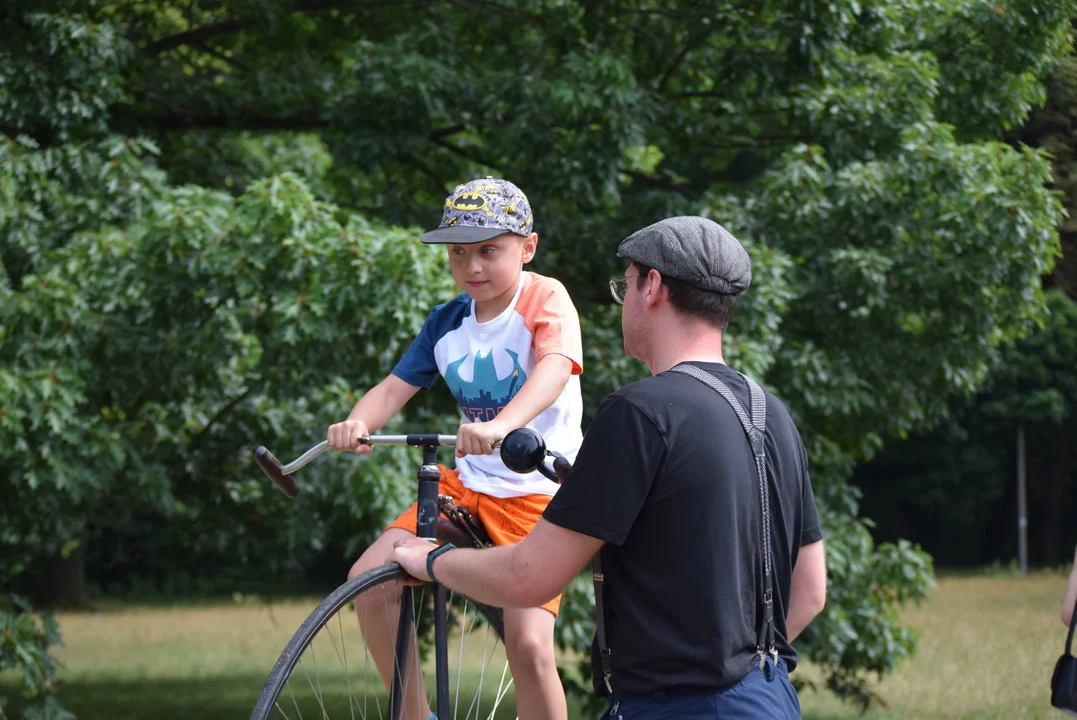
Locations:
(667, 479)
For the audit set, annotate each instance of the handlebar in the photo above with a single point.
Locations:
(522, 451)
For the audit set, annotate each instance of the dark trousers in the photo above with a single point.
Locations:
(761, 694)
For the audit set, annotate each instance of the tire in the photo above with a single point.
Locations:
(270, 703)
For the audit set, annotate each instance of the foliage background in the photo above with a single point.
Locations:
(208, 215)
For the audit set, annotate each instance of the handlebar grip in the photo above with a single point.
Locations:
(562, 467)
(272, 468)
(546, 472)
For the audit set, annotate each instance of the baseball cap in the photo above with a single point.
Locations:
(693, 249)
(482, 209)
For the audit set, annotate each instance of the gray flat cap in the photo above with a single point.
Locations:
(693, 249)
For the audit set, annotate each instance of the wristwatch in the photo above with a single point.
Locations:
(433, 556)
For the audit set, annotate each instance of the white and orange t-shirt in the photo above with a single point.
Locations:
(485, 364)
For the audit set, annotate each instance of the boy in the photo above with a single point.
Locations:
(510, 350)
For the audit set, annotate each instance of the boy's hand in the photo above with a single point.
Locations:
(345, 436)
(478, 438)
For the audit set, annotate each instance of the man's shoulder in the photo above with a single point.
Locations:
(643, 394)
(778, 415)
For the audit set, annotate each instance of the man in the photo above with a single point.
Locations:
(666, 488)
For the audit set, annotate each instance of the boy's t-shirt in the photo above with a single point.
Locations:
(485, 364)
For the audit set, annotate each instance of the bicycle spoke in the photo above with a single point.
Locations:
(417, 610)
(342, 656)
(294, 702)
(502, 690)
(317, 695)
(318, 679)
(366, 672)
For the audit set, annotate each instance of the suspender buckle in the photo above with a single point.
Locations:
(757, 439)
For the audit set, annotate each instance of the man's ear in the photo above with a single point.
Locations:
(655, 289)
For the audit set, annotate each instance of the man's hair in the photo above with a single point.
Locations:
(712, 307)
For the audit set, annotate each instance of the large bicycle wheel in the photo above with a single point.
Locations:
(329, 670)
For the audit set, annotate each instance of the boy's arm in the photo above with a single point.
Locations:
(538, 392)
(376, 408)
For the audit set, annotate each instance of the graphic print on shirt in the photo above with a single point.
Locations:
(486, 394)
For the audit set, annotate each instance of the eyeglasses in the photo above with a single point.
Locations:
(618, 288)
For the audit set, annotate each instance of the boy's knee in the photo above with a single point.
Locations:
(533, 647)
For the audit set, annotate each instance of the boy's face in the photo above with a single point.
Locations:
(489, 270)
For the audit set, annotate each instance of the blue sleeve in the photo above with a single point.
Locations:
(418, 366)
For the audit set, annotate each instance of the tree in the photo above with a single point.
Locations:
(956, 481)
(895, 241)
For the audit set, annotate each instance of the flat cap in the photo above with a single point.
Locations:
(693, 249)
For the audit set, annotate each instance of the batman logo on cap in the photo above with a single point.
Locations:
(469, 202)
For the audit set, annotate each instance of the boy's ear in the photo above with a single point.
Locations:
(530, 246)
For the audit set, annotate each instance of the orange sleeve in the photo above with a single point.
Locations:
(552, 320)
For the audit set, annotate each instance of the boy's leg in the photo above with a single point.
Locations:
(379, 616)
(528, 631)
(529, 647)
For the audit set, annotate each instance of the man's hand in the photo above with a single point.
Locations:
(478, 438)
(345, 436)
(411, 554)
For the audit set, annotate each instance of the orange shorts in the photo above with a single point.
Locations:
(507, 520)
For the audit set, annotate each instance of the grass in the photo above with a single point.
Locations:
(988, 645)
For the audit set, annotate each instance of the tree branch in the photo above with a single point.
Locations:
(198, 35)
(233, 61)
(466, 154)
(417, 164)
(464, 4)
(662, 183)
(205, 32)
(179, 118)
(219, 414)
(691, 44)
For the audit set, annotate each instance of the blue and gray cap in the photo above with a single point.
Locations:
(696, 250)
(482, 209)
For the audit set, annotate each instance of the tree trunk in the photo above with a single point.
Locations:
(63, 580)
(1052, 525)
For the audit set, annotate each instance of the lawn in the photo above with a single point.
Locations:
(987, 649)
